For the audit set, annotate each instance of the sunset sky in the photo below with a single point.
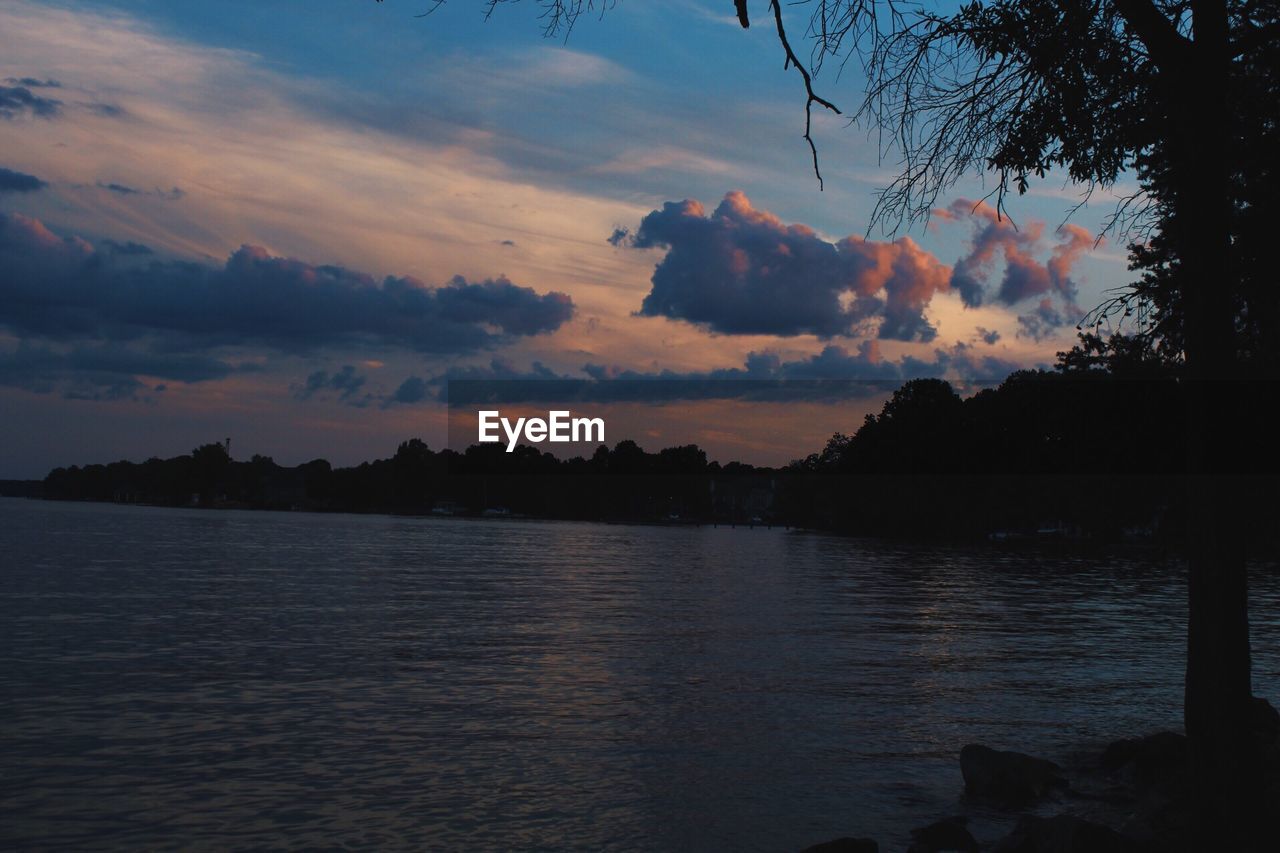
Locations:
(289, 224)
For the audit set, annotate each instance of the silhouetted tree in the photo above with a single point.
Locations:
(1093, 87)
(1019, 88)
(210, 464)
(1151, 311)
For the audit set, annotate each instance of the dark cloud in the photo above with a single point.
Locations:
(128, 248)
(63, 288)
(502, 369)
(743, 271)
(18, 100)
(498, 302)
(173, 194)
(988, 336)
(119, 189)
(19, 182)
(107, 110)
(1042, 322)
(413, 390)
(346, 383)
(34, 82)
(835, 373)
(103, 372)
(836, 364)
(619, 237)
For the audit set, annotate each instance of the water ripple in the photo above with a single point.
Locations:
(229, 680)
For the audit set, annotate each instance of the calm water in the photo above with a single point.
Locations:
(222, 679)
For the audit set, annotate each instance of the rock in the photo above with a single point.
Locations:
(1063, 834)
(1011, 777)
(948, 834)
(844, 845)
(1158, 760)
(1160, 824)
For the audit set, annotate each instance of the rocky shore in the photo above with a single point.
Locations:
(1132, 796)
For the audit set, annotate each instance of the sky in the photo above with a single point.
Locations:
(292, 228)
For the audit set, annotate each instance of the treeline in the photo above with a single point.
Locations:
(619, 483)
(1079, 452)
(1046, 454)
(1076, 453)
(20, 488)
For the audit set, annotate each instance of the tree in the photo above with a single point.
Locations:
(1099, 88)
(1019, 87)
(211, 463)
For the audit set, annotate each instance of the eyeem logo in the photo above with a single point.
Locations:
(558, 428)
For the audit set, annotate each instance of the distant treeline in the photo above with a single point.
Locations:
(1077, 454)
(21, 488)
(623, 483)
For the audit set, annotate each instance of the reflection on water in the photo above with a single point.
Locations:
(255, 679)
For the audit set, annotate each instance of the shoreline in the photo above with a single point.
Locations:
(1131, 795)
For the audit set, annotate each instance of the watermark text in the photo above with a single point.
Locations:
(559, 427)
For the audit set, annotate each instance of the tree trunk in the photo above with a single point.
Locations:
(1218, 689)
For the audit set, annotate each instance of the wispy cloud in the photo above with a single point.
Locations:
(17, 101)
(263, 157)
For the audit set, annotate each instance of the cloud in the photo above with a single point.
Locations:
(19, 182)
(1075, 242)
(19, 100)
(416, 389)
(562, 67)
(126, 248)
(119, 189)
(103, 372)
(267, 151)
(1024, 277)
(502, 370)
(836, 364)
(106, 110)
(835, 373)
(345, 382)
(173, 194)
(413, 390)
(1042, 322)
(741, 270)
(988, 336)
(34, 82)
(63, 288)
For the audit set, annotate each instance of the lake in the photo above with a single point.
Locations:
(230, 679)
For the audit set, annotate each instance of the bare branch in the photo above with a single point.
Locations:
(811, 97)
(435, 5)
(558, 16)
